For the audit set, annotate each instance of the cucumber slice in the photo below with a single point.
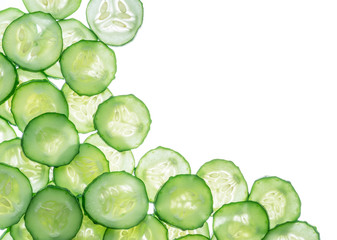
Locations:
(83, 108)
(6, 131)
(53, 213)
(184, 201)
(123, 122)
(23, 76)
(118, 161)
(8, 78)
(15, 195)
(58, 9)
(293, 231)
(88, 164)
(33, 41)
(6, 236)
(240, 220)
(193, 237)
(157, 166)
(7, 16)
(11, 153)
(149, 229)
(278, 197)
(225, 180)
(88, 67)
(51, 139)
(116, 200)
(115, 22)
(175, 233)
(72, 32)
(20, 232)
(34, 98)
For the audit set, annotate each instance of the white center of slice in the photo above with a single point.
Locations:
(274, 202)
(123, 123)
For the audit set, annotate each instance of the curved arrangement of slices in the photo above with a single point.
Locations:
(53, 186)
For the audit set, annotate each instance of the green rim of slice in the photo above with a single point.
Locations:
(8, 78)
(193, 237)
(174, 232)
(20, 232)
(6, 131)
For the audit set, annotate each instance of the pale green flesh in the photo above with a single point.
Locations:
(115, 22)
(59, 9)
(15, 195)
(174, 232)
(6, 131)
(149, 229)
(88, 164)
(11, 153)
(33, 41)
(157, 166)
(123, 122)
(293, 231)
(240, 221)
(118, 161)
(278, 197)
(225, 181)
(83, 108)
(20, 232)
(6, 17)
(8, 78)
(53, 214)
(6, 236)
(116, 200)
(193, 237)
(34, 98)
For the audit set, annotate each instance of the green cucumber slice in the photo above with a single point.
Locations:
(20, 232)
(184, 201)
(150, 229)
(157, 166)
(72, 32)
(23, 76)
(34, 98)
(51, 139)
(88, 67)
(278, 197)
(8, 78)
(240, 220)
(15, 195)
(293, 231)
(118, 161)
(225, 180)
(7, 16)
(83, 108)
(175, 233)
(53, 213)
(33, 41)
(6, 131)
(6, 236)
(58, 9)
(116, 200)
(11, 153)
(88, 164)
(193, 237)
(123, 122)
(115, 22)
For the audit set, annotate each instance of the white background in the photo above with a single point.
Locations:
(254, 82)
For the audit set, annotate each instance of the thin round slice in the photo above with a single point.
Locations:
(157, 166)
(11, 153)
(118, 161)
(225, 180)
(34, 98)
(88, 67)
(193, 237)
(51, 139)
(33, 41)
(53, 213)
(83, 108)
(293, 230)
(115, 22)
(149, 229)
(116, 200)
(20, 232)
(184, 201)
(175, 233)
(123, 122)
(8, 78)
(278, 197)
(7, 16)
(88, 164)
(15, 195)
(6, 131)
(240, 220)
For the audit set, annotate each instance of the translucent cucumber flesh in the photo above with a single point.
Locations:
(174, 232)
(6, 131)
